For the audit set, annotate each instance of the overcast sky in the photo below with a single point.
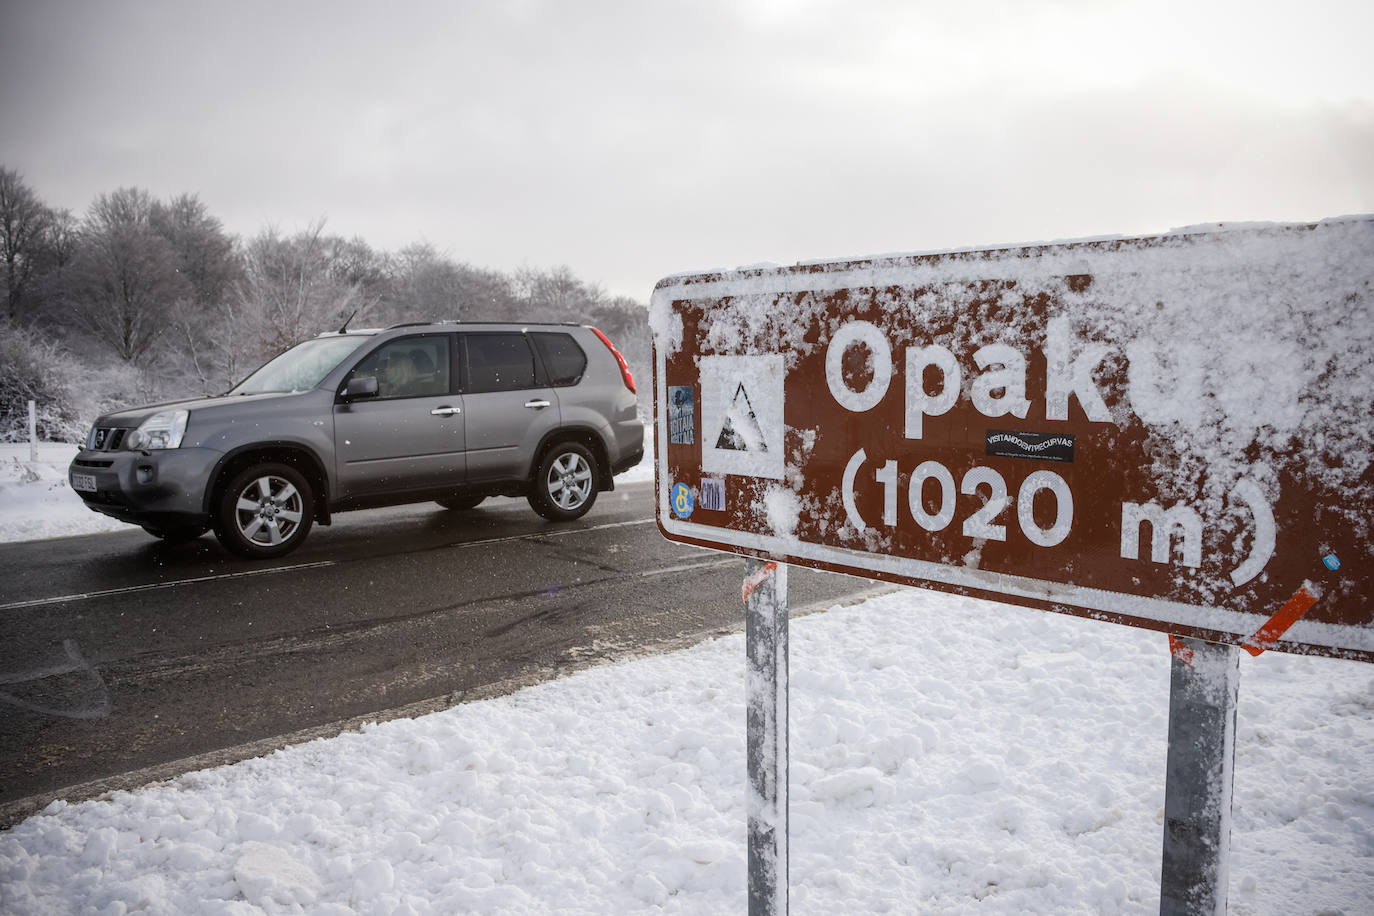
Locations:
(631, 140)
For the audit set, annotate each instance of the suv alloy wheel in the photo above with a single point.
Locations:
(265, 511)
(564, 487)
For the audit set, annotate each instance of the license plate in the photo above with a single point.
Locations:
(83, 482)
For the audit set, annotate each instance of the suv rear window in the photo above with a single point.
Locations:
(564, 360)
(499, 362)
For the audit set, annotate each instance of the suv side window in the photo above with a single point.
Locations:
(409, 367)
(499, 362)
(563, 359)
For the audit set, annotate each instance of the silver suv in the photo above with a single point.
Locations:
(451, 412)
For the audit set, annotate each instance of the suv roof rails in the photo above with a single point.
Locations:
(423, 324)
(354, 332)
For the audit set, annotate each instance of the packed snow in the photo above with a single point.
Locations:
(947, 755)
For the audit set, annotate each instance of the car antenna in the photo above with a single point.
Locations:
(344, 329)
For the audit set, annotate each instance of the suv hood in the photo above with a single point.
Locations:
(131, 417)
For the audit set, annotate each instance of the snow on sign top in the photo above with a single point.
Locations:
(1172, 432)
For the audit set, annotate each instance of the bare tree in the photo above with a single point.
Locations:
(207, 258)
(125, 275)
(291, 289)
(204, 251)
(425, 286)
(184, 305)
(24, 224)
(483, 294)
(62, 239)
(556, 294)
(354, 263)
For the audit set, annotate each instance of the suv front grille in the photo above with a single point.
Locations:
(107, 438)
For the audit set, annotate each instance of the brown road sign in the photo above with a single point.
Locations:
(1172, 432)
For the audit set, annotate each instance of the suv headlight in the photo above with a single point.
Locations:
(161, 430)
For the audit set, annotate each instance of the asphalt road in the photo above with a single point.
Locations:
(125, 660)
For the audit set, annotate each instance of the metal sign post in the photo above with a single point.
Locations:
(765, 605)
(1203, 685)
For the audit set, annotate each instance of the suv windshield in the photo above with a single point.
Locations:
(303, 366)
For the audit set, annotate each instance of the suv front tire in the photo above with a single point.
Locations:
(266, 511)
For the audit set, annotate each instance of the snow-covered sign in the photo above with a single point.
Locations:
(1172, 432)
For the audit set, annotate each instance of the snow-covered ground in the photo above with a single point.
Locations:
(35, 500)
(947, 756)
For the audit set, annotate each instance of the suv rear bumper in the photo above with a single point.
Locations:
(160, 489)
(628, 431)
(628, 461)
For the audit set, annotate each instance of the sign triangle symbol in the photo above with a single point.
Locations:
(741, 432)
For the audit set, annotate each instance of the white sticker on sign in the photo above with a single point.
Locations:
(741, 415)
(712, 494)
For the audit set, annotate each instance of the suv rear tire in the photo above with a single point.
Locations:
(564, 486)
(460, 503)
(266, 511)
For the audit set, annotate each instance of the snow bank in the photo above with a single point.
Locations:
(947, 755)
(36, 501)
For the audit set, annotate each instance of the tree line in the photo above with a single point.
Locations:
(144, 299)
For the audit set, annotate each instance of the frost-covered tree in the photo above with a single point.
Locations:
(425, 286)
(204, 251)
(35, 368)
(125, 277)
(291, 288)
(25, 223)
(555, 294)
(206, 256)
(354, 263)
(429, 286)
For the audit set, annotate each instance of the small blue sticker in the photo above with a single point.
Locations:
(683, 500)
(1331, 562)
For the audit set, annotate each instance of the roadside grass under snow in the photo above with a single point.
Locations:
(947, 755)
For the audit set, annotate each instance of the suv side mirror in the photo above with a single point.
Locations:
(364, 386)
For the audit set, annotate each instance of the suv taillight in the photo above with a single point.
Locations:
(624, 366)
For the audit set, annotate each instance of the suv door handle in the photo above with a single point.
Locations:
(445, 411)
(538, 404)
